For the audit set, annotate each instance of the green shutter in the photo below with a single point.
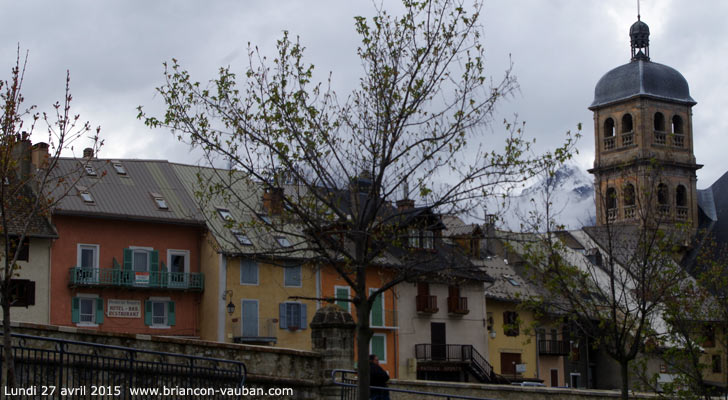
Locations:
(163, 274)
(282, 321)
(99, 311)
(127, 277)
(147, 313)
(115, 271)
(378, 347)
(127, 259)
(154, 268)
(171, 320)
(342, 293)
(377, 312)
(304, 318)
(75, 305)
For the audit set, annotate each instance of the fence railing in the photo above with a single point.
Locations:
(553, 347)
(347, 379)
(112, 277)
(97, 371)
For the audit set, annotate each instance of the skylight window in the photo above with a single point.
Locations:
(119, 168)
(242, 238)
(265, 219)
(159, 199)
(225, 214)
(283, 242)
(86, 196)
(511, 280)
(90, 170)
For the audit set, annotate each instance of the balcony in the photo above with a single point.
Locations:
(682, 213)
(627, 139)
(611, 214)
(629, 212)
(457, 305)
(663, 211)
(609, 143)
(553, 347)
(114, 277)
(660, 137)
(678, 140)
(426, 304)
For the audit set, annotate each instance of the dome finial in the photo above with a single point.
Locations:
(639, 34)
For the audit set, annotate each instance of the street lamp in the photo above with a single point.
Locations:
(230, 307)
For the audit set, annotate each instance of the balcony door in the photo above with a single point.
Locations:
(179, 267)
(88, 263)
(438, 340)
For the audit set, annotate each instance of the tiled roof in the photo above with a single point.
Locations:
(18, 216)
(125, 196)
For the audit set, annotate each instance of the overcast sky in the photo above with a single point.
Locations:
(559, 48)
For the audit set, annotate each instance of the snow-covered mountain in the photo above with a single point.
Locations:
(571, 194)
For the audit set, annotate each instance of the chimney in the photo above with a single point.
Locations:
(273, 201)
(489, 231)
(21, 152)
(39, 155)
(405, 203)
(88, 152)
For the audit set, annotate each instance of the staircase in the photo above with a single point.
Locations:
(466, 354)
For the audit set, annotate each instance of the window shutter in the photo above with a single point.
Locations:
(147, 312)
(377, 313)
(282, 321)
(171, 319)
(99, 311)
(127, 259)
(115, 271)
(164, 278)
(378, 347)
(75, 304)
(304, 319)
(342, 293)
(250, 318)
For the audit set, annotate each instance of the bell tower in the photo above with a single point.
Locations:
(644, 166)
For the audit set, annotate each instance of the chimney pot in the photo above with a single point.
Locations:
(39, 155)
(273, 201)
(88, 152)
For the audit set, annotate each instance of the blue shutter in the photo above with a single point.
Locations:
(75, 304)
(304, 319)
(282, 321)
(147, 313)
(99, 311)
(171, 320)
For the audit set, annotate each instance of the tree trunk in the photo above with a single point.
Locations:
(9, 359)
(624, 367)
(363, 336)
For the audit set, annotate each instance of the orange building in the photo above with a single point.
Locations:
(128, 254)
(383, 319)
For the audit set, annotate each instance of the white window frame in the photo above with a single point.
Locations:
(224, 213)
(300, 275)
(166, 301)
(177, 252)
(237, 234)
(87, 296)
(348, 296)
(383, 335)
(86, 197)
(257, 272)
(148, 250)
(119, 167)
(242, 318)
(93, 274)
(283, 241)
(288, 314)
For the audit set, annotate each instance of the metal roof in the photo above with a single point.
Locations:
(124, 196)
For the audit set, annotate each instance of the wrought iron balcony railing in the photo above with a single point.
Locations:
(553, 347)
(457, 305)
(113, 277)
(426, 304)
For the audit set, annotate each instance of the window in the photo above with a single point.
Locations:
(248, 272)
(575, 379)
(159, 200)
(119, 168)
(292, 315)
(626, 123)
(250, 318)
(659, 122)
(342, 292)
(292, 275)
(86, 196)
(611, 199)
(159, 313)
(376, 316)
(662, 197)
(511, 280)
(90, 170)
(283, 241)
(629, 198)
(87, 262)
(87, 310)
(140, 260)
(510, 323)
(378, 346)
(225, 214)
(708, 335)
(22, 293)
(681, 196)
(609, 127)
(428, 239)
(23, 252)
(179, 266)
(414, 238)
(717, 363)
(241, 238)
(265, 219)
(677, 125)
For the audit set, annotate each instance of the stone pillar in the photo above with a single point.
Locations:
(332, 334)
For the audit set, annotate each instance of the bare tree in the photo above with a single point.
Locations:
(414, 129)
(26, 186)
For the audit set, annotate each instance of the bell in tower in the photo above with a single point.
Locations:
(644, 166)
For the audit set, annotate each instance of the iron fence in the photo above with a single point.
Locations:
(51, 368)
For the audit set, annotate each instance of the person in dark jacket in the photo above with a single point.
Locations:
(377, 377)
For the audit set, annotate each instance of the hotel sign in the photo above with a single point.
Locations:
(123, 308)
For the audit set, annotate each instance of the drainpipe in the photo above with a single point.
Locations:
(538, 359)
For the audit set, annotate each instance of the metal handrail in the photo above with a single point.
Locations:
(112, 277)
(444, 395)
